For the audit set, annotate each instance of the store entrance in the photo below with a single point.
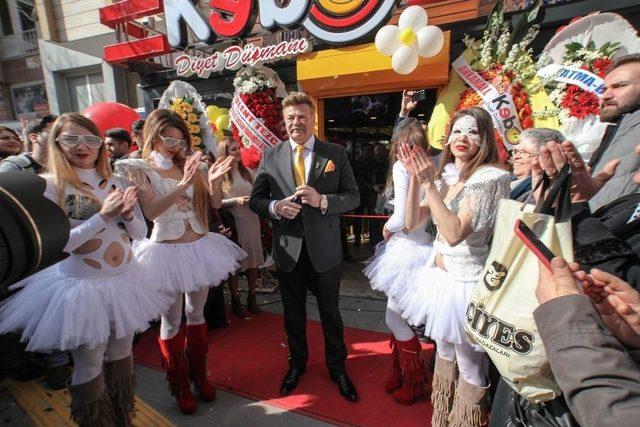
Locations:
(364, 125)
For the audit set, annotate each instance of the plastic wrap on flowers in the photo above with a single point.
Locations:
(260, 91)
(184, 99)
(500, 61)
(573, 66)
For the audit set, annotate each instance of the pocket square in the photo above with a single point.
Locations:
(330, 167)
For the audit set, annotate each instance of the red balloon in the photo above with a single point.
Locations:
(109, 115)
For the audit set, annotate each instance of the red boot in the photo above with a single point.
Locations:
(197, 346)
(175, 363)
(395, 380)
(414, 385)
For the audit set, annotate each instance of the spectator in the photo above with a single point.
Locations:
(10, 144)
(118, 142)
(236, 189)
(35, 161)
(620, 105)
(608, 238)
(138, 138)
(593, 350)
(530, 142)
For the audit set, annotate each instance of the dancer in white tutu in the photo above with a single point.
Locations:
(392, 268)
(176, 193)
(93, 302)
(464, 213)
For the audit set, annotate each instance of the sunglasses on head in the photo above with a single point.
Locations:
(172, 142)
(72, 141)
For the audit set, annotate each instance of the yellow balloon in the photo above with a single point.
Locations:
(219, 134)
(224, 111)
(222, 122)
(213, 112)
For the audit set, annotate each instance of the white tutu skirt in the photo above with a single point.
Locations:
(392, 267)
(439, 301)
(189, 267)
(59, 312)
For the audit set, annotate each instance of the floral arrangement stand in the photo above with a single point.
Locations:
(185, 100)
(572, 67)
(495, 72)
(259, 92)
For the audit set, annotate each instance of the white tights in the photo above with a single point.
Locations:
(396, 323)
(87, 363)
(471, 363)
(193, 309)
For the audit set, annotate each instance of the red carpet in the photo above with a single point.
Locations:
(249, 358)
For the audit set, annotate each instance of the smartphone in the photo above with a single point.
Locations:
(420, 95)
(532, 241)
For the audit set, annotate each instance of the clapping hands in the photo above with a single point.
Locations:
(417, 162)
(120, 202)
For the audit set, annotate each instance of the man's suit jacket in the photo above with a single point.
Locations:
(621, 146)
(321, 233)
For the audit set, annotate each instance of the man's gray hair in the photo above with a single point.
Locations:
(541, 136)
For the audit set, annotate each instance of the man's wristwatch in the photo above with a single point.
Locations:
(324, 204)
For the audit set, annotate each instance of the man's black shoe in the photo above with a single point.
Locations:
(290, 381)
(346, 387)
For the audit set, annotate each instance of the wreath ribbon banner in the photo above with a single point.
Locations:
(584, 79)
(250, 126)
(501, 107)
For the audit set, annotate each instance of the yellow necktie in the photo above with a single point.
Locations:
(299, 167)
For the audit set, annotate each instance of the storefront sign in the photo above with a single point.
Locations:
(235, 57)
(501, 106)
(332, 21)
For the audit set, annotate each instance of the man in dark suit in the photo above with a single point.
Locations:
(303, 184)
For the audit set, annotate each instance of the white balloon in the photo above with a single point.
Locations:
(430, 41)
(405, 60)
(414, 17)
(387, 39)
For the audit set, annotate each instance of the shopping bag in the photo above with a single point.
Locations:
(500, 313)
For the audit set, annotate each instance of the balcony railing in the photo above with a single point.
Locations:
(18, 45)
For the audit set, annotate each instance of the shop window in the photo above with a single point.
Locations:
(5, 19)
(85, 90)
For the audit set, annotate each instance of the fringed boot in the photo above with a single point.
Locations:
(469, 407)
(197, 347)
(395, 380)
(445, 376)
(414, 385)
(175, 364)
(90, 404)
(121, 384)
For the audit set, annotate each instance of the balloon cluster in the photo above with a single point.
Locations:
(219, 119)
(109, 115)
(409, 40)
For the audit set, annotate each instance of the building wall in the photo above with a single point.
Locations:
(78, 19)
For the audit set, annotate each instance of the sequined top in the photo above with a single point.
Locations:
(170, 224)
(99, 248)
(483, 190)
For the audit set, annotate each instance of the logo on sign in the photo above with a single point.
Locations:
(495, 275)
(332, 21)
(499, 332)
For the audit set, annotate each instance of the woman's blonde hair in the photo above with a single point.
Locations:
(58, 164)
(227, 179)
(488, 153)
(154, 125)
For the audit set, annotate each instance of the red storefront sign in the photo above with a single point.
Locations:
(330, 21)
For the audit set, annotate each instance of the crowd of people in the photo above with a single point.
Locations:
(146, 243)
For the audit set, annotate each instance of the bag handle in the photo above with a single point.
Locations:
(556, 192)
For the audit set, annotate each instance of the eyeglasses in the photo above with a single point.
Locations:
(172, 142)
(523, 153)
(72, 141)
